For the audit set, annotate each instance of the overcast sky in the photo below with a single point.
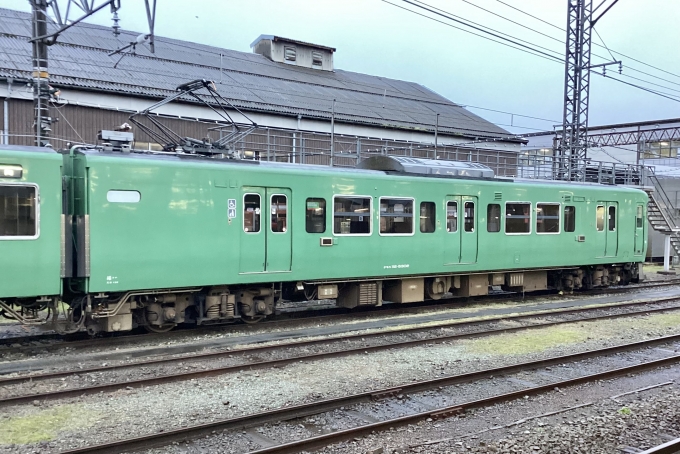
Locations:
(374, 37)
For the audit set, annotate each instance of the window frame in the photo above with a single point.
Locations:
(325, 214)
(604, 218)
(500, 217)
(564, 211)
(370, 214)
(559, 218)
(639, 217)
(37, 213)
(243, 223)
(420, 216)
(413, 217)
(270, 214)
(531, 217)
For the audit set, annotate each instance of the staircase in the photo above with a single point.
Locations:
(661, 213)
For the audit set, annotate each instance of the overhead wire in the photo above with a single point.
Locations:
(437, 11)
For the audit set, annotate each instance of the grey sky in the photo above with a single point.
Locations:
(374, 37)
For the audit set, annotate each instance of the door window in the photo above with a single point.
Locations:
(18, 211)
(452, 217)
(251, 213)
(469, 216)
(599, 218)
(638, 218)
(279, 213)
(612, 218)
(569, 218)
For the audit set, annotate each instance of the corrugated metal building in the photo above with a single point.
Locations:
(286, 86)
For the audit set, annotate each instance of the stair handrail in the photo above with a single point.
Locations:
(666, 207)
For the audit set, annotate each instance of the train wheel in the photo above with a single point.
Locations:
(160, 329)
(252, 320)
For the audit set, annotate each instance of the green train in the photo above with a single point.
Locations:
(110, 241)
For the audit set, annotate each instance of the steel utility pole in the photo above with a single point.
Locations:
(41, 39)
(573, 147)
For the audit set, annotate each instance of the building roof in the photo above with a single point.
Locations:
(250, 81)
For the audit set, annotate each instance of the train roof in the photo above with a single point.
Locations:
(383, 165)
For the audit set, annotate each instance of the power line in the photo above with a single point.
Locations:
(489, 31)
(535, 51)
(468, 31)
(562, 30)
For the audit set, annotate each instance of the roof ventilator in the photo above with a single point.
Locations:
(225, 147)
(426, 167)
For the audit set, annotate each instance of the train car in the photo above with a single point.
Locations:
(32, 231)
(165, 239)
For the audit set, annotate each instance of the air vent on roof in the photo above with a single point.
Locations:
(289, 53)
(293, 52)
(317, 59)
(403, 164)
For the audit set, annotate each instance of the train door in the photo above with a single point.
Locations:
(612, 247)
(266, 241)
(279, 237)
(639, 229)
(253, 236)
(606, 224)
(460, 245)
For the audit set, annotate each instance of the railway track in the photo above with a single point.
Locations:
(671, 447)
(51, 341)
(531, 321)
(392, 396)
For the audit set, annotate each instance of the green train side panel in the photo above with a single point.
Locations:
(180, 233)
(32, 267)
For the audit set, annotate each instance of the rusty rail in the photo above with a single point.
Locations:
(672, 447)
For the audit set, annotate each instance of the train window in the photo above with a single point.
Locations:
(517, 217)
(612, 218)
(638, 218)
(547, 218)
(599, 218)
(251, 213)
(396, 216)
(316, 215)
(351, 215)
(469, 216)
(569, 218)
(452, 217)
(428, 217)
(279, 213)
(115, 196)
(18, 212)
(493, 217)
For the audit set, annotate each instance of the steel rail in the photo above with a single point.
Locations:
(77, 342)
(452, 324)
(298, 411)
(672, 447)
(161, 379)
